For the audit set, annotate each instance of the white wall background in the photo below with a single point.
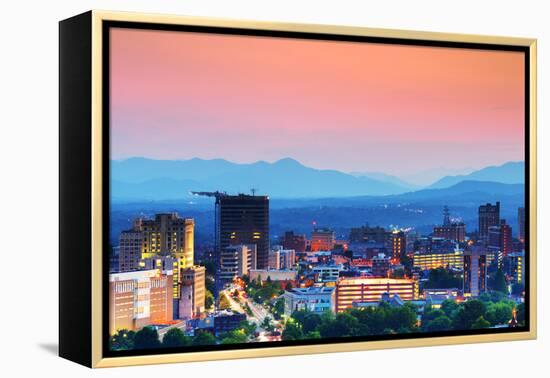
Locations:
(29, 174)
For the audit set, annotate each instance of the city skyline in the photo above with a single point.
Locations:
(358, 102)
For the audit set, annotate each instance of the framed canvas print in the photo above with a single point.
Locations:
(236, 189)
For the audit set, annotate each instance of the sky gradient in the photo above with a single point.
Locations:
(330, 105)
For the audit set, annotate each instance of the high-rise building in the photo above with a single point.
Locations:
(130, 246)
(499, 239)
(244, 219)
(138, 299)
(293, 241)
(521, 224)
(398, 244)
(514, 267)
(489, 215)
(168, 234)
(236, 261)
(194, 277)
(322, 239)
(475, 271)
(359, 290)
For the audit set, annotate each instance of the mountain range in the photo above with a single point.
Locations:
(508, 173)
(148, 179)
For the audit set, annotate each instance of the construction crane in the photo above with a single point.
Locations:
(217, 194)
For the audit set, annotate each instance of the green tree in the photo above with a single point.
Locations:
(499, 313)
(146, 338)
(224, 302)
(449, 307)
(469, 312)
(500, 282)
(313, 335)
(208, 299)
(278, 309)
(441, 323)
(237, 336)
(292, 331)
(204, 338)
(175, 338)
(480, 323)
(442, 278)
(122, 340)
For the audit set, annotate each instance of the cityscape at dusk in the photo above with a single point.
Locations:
(289, 189)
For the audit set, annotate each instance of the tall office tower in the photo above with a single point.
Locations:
(129, 255)
(398, 244)
(193, 291)
(236, 261)
(489, 215)
(521, 224)
(244, 219)
(293, 241)
(322, 239)
(168, 234)
(475, 272)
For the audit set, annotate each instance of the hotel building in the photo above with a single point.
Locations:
(138, 299)
(350, 290)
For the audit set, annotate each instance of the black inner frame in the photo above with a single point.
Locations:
(107, 25)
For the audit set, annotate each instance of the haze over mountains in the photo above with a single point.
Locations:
(148, 179)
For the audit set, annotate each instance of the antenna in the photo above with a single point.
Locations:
(253, 191)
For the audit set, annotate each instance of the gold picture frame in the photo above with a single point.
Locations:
(89, 28)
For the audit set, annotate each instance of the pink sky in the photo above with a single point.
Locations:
(334, 105)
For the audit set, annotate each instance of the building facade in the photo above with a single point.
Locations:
(236, 261)
(350, 290)
(138, 299)
(322, 239)
(244, 219)
(194, 280)
(488, 215)
(313, 299)
(426, 261)
(294, 241)
(475, 272)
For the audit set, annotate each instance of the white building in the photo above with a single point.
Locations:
(313, 299)
(327, 273)
(280, 258)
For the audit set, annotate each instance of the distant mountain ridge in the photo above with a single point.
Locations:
(154, 180)
(141, 178)
(508, 173)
